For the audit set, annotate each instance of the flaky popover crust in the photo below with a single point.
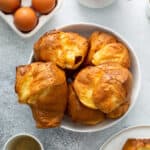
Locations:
(43, 87)
(137, 144)
(97, 41)
(103, 87)
(81, 114)
(105, 48)
(120, 111)
(114, 52)
(114, 89)
(66, 49)
(84, 84)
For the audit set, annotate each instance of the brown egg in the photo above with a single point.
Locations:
(43, 6)
(25, 19)
(9, 6)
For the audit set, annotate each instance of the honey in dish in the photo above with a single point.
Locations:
(24, 143)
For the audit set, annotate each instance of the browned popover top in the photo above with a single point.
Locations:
(104, 48)
(66, 49)
(103, 87)
(43, 87)
(81, 114)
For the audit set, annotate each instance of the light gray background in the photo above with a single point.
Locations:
(126, 17)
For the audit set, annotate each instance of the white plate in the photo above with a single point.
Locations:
(8, 18)
(117, 141)
(86, 29)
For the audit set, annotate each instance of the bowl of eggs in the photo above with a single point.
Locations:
(26, 17)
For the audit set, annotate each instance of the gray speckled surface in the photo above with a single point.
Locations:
(126, 17)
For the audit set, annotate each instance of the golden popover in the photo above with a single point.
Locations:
(81, 114)
(114, 89)
(104, 87)
(84, 84)
(97, 41)
(105, 48)
(43, 87)
(66, 49)
(137, 144)
(120, 111)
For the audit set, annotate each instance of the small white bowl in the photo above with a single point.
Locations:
(8, 18)
(86, 29)
(11, 140)
(96, 3)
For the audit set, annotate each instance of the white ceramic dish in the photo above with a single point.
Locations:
(96, 3)
(11, 140)
(85, 30)
(118, 140)
(8, 18)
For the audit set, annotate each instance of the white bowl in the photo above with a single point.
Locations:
(96, 3)
(11, 140)
(85, 30)
(8, 18)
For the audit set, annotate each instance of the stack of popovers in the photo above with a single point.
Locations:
(99, 84)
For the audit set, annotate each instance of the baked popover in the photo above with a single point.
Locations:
(66, 49)
(105, 48)
(104, 87)
(80, 113)
(43, 87)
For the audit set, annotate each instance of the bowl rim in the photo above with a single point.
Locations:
(122, 131)
(23, 134)
(138, 85)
